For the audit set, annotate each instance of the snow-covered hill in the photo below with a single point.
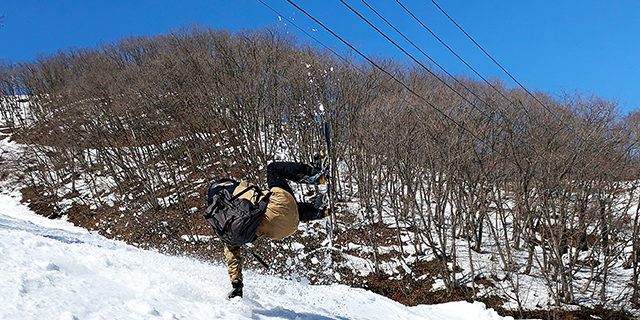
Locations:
(50, 269)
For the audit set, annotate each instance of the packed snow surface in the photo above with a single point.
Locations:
(50, 269)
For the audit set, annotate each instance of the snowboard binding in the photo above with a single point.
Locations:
(319, 169)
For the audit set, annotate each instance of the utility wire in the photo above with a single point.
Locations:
(460, 58)
(414, 45)
(403, 84)
(422, 65)
(383, 70)
(400, 82)
(580, 136)
(347, 61)
(481, 48)
(424, 53)
(344, 59)
(442, 68)
(427, 69)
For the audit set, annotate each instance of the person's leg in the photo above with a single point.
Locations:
(234, 262)
(277, 175)
(279, 172)
(308, 212)
(315, 210)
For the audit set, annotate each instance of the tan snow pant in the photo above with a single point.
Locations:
(234, 262)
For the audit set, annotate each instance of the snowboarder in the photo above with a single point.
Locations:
(282, 213)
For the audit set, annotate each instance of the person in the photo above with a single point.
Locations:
(283, 212)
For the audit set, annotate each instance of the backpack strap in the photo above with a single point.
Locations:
(245, 190)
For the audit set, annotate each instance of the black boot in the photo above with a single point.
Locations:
(317, 209)
(237, 290)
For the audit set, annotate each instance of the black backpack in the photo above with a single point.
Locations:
(233, 219)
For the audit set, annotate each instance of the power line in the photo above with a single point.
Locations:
(424, 67)
(442, 68)
(344, 59)
(383, 70)
(401, 83)
(459, 57)
(452, 51)
(477, 44)
(419, 63)
(580, 136)
(404, 51)
(408, 88)
(421, 51)
(415, 46)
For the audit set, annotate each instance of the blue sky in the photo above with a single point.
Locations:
(553, 46)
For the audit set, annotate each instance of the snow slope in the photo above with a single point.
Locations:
(50, 269)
